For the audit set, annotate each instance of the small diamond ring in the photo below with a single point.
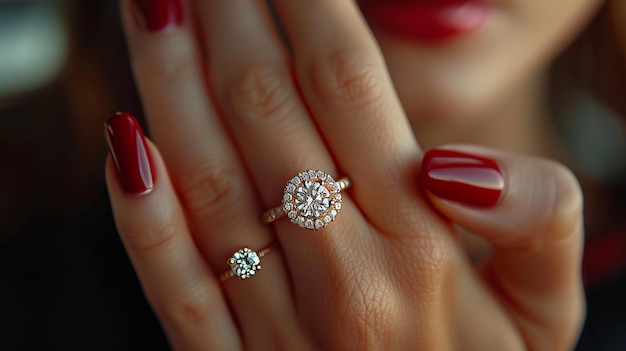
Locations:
(311, 200)
(245, 263)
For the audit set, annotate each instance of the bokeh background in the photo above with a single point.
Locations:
(65, 281)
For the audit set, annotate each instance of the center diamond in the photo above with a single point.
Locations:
(244, 263)
(312, 199)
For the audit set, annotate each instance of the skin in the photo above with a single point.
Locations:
(390, 272)
(488, 84)
(487, 87)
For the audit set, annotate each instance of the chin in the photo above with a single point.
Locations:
(435, 88)
(457, 61)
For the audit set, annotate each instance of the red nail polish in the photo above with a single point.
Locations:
(464, 178)
(156, 15)
(130, 153)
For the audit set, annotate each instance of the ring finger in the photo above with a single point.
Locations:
(345, 81)
(251, 76)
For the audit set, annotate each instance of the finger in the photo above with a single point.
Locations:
(251, 76)
(150, 220)
(206, 170)
(531, 211)
(346, 85)
(204, 167)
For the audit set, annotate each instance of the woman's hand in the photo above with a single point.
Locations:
(235, 115)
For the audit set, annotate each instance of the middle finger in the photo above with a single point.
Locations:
(253, 85)
(345, 82)
(252, 81)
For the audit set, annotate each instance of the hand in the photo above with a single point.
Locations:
(235, 116)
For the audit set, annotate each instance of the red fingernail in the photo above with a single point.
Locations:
(464, 178)
(156, 15)
(130, 153)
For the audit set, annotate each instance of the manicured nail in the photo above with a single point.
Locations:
(130, 153)
(156, 15)
(463, 178)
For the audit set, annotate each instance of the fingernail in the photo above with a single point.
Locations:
(130, 152)
(463, 178)
(156, 15)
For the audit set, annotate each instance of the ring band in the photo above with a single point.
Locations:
(245, 263)
(311, 200)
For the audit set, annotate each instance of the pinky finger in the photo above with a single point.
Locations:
(175, 278)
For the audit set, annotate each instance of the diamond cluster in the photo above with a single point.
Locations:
(244, 263)
(312, 200)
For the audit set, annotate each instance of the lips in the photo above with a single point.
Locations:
(426, 20)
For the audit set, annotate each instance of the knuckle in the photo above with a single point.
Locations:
(260, 91)
(150, 235)
(565, 208)
(166, 72)
(192, 310)
(211, 190)
(370, 307)
(348, 77)
(432, 260)
(434, 254)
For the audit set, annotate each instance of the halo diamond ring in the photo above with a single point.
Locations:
(311, 200)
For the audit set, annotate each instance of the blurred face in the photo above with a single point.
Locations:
(452, 59)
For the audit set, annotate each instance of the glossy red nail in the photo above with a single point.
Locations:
(156, 15)
(130, 153)
(463, 178)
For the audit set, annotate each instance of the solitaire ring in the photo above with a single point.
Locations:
(311, 200)
(245, 263)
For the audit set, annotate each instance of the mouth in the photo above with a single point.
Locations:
(428, 21)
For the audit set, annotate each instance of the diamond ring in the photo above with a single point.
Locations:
(311, 200)
(244, 263)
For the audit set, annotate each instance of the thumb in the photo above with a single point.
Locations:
(530, 209)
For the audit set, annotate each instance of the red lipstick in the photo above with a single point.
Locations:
(426, 20)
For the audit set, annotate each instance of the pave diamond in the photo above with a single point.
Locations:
(312, 199)
(244, 263)
(309, 224)
(288, 206)
(319, 224)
